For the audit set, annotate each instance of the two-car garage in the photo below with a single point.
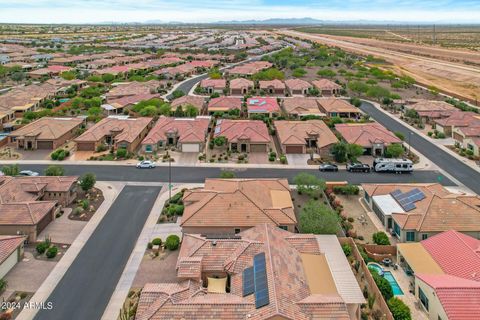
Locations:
(190, 147)
(295, 149)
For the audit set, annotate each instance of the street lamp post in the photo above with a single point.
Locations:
(169, 179)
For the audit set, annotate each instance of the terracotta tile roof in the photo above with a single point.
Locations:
(186, 129)
(275, 84)
(213, 83)
(336, 105)
(250, 67)
(24, 213)
(459, 298)
(262, 105)
(24, 189)
(8, 244)
(325, 84)
(289, 289)
(302, 106)
(48, 128)
(131, 100)
(297, 84)
(460, 119)
(224, 104)
(195, 101)
(129, 129)
(239, 203)
(133, 88)
(296, 132)
(456, 253)
(255, 131)
(366, 134)
(240, 83)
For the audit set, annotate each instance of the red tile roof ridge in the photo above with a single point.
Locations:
(270, 259)
(424, 216)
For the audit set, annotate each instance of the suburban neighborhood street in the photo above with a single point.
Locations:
(456, 168)
(86, 288)
(198, 174)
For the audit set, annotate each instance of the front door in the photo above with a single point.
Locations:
(29, 145)
(243, 147)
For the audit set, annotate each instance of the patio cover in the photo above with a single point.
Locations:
(217, 285)
(418, 258)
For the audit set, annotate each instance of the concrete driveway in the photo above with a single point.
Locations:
(297, 159)
(63, 230)
(187, 158)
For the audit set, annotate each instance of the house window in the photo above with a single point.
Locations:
(424, 236)
(423, 298)
(396, 229)
(160, 144)
(283, 227)
(237, 230)
(410, 236)
(148, 148)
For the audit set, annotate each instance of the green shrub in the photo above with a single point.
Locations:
(101, 148)
(347, 249)
(271, 159)
(121, 153)
(381, 238)
(283, 159)
(41, 247)
(157, 242)
(399, 309)
(77, 211)
(177, 198)
(59, 154)
(85, 203)
(349, 189)
(382, 284)
(52, 252)
(175, 210)
(172, 242)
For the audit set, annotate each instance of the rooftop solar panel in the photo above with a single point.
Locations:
(247, 279)
(407, 200)
(260, 280)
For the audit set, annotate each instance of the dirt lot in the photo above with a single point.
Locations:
(426, 64)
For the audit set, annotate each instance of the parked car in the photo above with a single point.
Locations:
(145, 164)
(358, 167)
(328, 167)
(28, 173)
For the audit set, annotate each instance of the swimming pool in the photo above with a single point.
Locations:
(397, 291)
(63, 100)
(376, 267)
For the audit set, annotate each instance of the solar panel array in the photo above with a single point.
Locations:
(260, 280)
(248, 285)
(407, 199)
(255, 280)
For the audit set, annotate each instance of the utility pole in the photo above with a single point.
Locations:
(434, 35)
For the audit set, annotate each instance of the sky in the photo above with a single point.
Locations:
(94, 11)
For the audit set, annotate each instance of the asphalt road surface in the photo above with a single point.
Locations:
(86, 288)
(198, 174)
(456, 168)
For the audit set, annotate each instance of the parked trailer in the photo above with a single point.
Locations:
(392, 165)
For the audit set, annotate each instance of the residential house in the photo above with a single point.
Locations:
(224, 104)
(29, 204)
(262, 273)
(133, 88)
(250, 68)
(416, 211)
(334, 107)
(11, 252)
(430, 110)
(46, 133)
(186, 134)
(373, 137)
(184, 101)
(213, 85)
(305, 136)
(244, 135)
(457, 119)
(228, 206)
(445, 274)
(272, 87)
(301, 106)
(327, 87)
(240, 86)
(263, 105)
(49, 71)
(117, 132)
(184, 70)
(119, 105)
(297, 86)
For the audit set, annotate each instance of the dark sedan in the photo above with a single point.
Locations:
(328, 167)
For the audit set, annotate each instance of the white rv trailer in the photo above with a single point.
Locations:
(392, 165)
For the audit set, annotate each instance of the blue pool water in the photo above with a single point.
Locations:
(397, 291)
(63, 100)
(376, 267)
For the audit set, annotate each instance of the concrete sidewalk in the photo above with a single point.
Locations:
(148, 233)
(110, 193)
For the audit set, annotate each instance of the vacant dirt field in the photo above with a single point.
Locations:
(430, 66)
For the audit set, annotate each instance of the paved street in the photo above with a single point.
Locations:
(456, 168)
(86, 288)
(198, 174)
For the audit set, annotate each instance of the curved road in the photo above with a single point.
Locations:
(456, 168)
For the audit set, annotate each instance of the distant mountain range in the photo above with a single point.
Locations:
(276, 21)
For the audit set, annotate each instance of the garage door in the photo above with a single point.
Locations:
(9, 263)
(294, 149)
(86, 146)
(45, 145)
(258, 148)
(190, 147)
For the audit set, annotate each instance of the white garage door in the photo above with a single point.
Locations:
(190, 147)
(8, 264)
